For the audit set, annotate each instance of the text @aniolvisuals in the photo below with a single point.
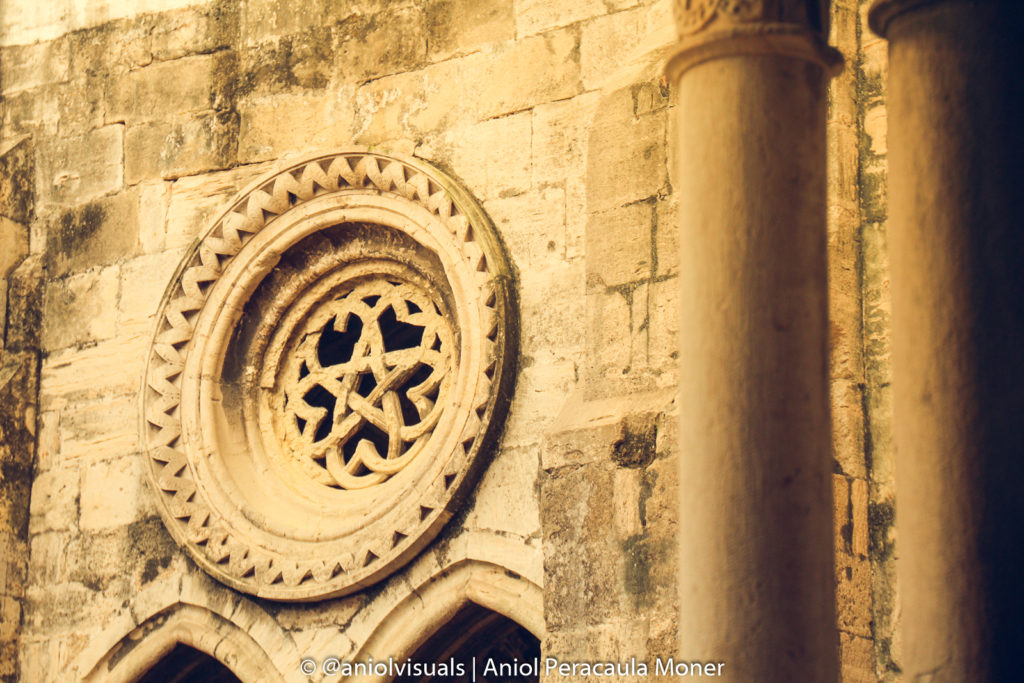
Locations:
(487, 668)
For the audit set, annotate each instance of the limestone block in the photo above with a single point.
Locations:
(460, 26)
(582, 560)
(848, 427)
(24, 306)
(81, 104)
(551, 311)
(560, 131)
(853, 591)
(165, 90)
(153, 200)
(100, 430)
(540, 392)
(95, 234)
(604, 42)
(170, 150)
(54, 501)
(530, 71)
(195, 201)
(857, 659)
(112, 367)
(533, 225)
(664, 329)
(608, 349)
(13, 246)
(500, 503)
(411, 104)
(274, 126)
(534, 16)
(32, 112)
(493, 156)
(583, 432)
(143, 281)
(48, 446)
(618, 245)
(626, 155)
(29, 66)
(76, 169)
(80, 308)
(126, 559)
(626, 501)
(115, 493)
(666, 237)
(265, 19)
(301, 62)
(876, 129)
(376, 45)
(16, 195)
(199, 29)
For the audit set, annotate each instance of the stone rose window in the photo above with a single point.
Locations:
(332, 362)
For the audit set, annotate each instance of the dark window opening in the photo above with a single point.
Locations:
(478, 632)
(184, 664)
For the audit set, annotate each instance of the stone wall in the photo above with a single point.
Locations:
(555, 116)
(20, 286)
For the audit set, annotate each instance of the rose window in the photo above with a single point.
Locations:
(328, 376)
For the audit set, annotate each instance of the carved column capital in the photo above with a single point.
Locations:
(693, 16)
(710, 29)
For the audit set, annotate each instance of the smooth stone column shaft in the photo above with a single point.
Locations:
(956, 235)
(755, 529)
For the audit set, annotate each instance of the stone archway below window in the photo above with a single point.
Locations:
(164, 635)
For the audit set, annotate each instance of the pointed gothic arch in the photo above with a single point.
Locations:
(148, 645)
(421, 614)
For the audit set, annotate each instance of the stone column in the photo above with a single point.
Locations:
(755, 529)
(956, 203)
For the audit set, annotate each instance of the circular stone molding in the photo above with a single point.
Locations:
(332, 363)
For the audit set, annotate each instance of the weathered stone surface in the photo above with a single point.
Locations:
(169, 150)
(80, 308)
(625, 155)
(13, 248)
(604, 43)
(379, 44)
(114, 493)
(80, 168)
(272, 127)
(533, 70)
(141, 282)
(54, 501)
(165, 91)
(618, 245)
(100, 429)
(30, 66)
(94, 234)
(195, 201)
(110, 367)
(535, 16)
(17, 193)
(493, 156)
(301, 62)
(582, 565)
(461, 26)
